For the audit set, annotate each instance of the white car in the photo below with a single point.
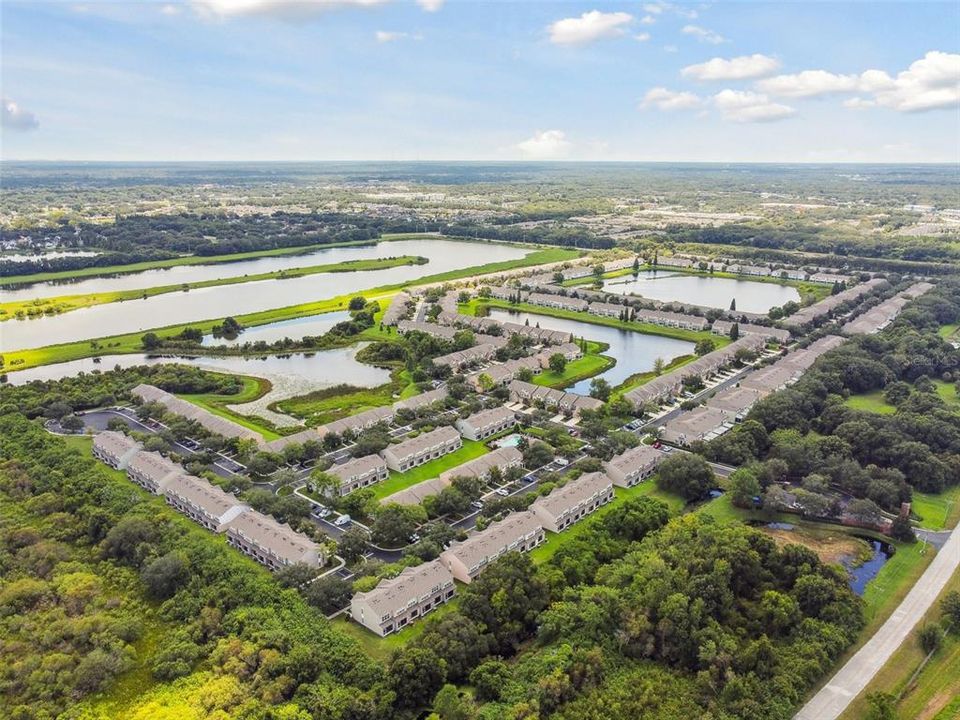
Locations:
(502, 491)
(342, 520)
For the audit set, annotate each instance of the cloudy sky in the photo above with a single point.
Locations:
(496, 80)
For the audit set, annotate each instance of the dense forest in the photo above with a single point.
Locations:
(809, 435)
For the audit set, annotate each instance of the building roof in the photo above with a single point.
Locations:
(574, 492)
(489, 417)
(635, 458)
(213, 423)
(297, 438)
(723, 327)
(153, 466)
(417, 493)
(357, 467)
(501, 457)
(115, 443)
(696, 424)
(397, 309)
(421, 443)
(440, 331)
(498, 535)
(410, 586)
(735, 399)
(416, 402)
(209, 498)
(278, 539)
(357, 422)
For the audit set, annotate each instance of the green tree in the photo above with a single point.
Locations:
(451, 704)
(557, 363)
(686, 475)
(600, 389)
(733, 304)
(658, 366)
(743, 486)
(489, 679)
(735, 331)
(352, 544)
(358, 302)
(930, 637)
(704, 346)
(537, 455)
(164, 576)
(415, 675)
(151, 341)
(328, 594)
(395, 524)
(325, 483)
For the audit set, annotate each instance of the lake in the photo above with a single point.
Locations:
(306, 371)
(633, 351)
(295, 329)
(866, 571)
(704, 290)
(218, 302)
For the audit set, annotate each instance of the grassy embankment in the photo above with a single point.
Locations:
(253, 389)
(875, 403)
(66, 303)
(172, 262)
(131, 342)
(817, 290)
(934, 694)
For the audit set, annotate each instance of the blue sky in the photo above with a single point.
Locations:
(432, 80)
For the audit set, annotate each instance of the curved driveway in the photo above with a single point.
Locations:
(859, 670)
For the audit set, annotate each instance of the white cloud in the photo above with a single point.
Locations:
(546, 145)
(642, 37)
(663, 99)
(930, 83)
(648, 20)
(590, 26)
(431, 5)
(286, 9)
(170, 9)
(744, 106)
(859, 103)
(809, 83)
(670, 48)
(385, 36)
(16, 118)
(738, 68)
(655, 8)
(704, 34)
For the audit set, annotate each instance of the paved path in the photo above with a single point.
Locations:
(859, 670)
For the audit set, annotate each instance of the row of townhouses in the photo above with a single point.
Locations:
(257, 535)
(360, 472)
(422, 449)
(568, 403)
(670, 384)
(877, 318)
(633, 466)
(825, 308)
(213, 423)
(396, 602)
(485, 423)
(399, 308)
(723, 327)
(572, 502)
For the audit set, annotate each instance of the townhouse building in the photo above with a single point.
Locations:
(671, 319)
(462, 358)
(517, 532)
(483, 424)
(723, 327)
(213, 423)
(423, 448)
(398, 309)
(559, 302)
(567, 402)
(502, 458)
(396, 602)
(152, 471)
(633, 466)
(432, 329)
(359, 473)
(273, 544)
(115, 449)
(357, 423)
(202, 502)
(569, 504)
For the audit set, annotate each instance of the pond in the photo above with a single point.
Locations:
(221, 301)
(863, 573)
(704, 290)
(297, 371)
(633, 351)
(295, 329)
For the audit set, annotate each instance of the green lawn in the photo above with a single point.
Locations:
(398, 481)
(647, 488)
(592, 363)
(947, 392)
(937, 512)
(871, 402)
(253, 388)
(947, 331)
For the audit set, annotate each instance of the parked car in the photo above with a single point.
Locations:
(342, 521)
(477, 504)
(503, 492)
(414, 538)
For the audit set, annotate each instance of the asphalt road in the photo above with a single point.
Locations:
(853, 677)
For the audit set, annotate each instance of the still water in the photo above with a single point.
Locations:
(218, 302)
(296, 329)
(716, 292)
(320, 369)
(633, 351)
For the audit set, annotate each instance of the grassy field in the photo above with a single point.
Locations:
(870, 402)
(937, 511)
(330, 404)
(935, 694)
(399, 481)
(253, 388)
(592, 363)
(173, 262)
(949, 331)
(131, 342)
(66, 303)
(947, 392)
